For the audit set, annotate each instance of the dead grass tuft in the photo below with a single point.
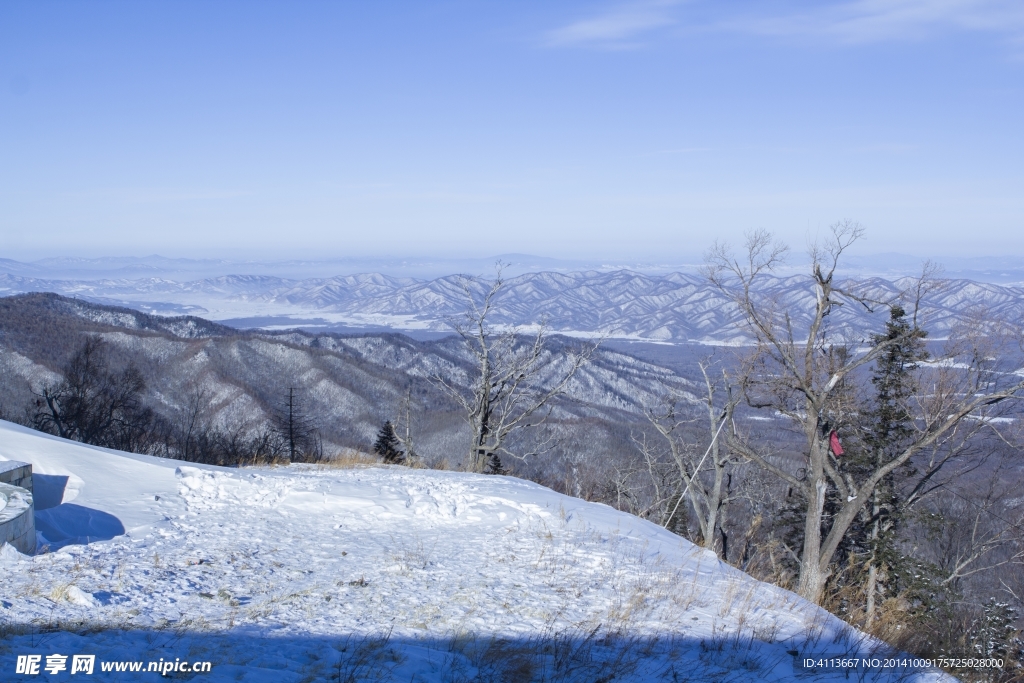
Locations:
(348, 458)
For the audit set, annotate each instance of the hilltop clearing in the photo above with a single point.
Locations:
(375, 573)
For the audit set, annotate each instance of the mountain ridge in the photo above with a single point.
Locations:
(619, 304)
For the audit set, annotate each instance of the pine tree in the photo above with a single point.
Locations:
(890, 427)
(387, 445)
(494, 465)
(873, 435)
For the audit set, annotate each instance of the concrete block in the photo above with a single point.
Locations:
(17, 518)
(16, 474)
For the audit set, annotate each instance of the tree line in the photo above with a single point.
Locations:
(871, 486)
(98, 403)
(860, 471)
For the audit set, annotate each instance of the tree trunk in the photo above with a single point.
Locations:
(812, 577)
(869, 608)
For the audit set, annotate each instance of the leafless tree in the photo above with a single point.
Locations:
(403, 426)
(698, 471)
(192, 421)
(801, 370)
(297, 430)
(95, 404)
(514, 376)
(970, 531)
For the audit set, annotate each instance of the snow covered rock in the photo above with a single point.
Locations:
(77, 596)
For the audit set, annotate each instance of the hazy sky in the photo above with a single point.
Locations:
(566, 129)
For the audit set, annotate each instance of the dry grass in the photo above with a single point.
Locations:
(574, 564)
(348, 458)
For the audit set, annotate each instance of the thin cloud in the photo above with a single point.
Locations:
(849, 22)
(872, 21)
(148, 195)
(619, 28)
(678, 150)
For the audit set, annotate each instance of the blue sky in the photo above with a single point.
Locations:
(576, 130)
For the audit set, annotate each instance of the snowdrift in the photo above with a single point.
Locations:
(303, 573)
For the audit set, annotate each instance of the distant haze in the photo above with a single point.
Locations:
(992, 269)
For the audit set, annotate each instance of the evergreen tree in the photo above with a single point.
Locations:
(890, 427)
(874, 435)
(494, 465)
(387, 445)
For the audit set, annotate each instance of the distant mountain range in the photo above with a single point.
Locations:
(622, 304)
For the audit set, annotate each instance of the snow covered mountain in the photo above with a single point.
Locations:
(380, 574)
(621, 304)
(351, 384)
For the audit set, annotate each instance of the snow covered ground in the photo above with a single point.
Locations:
(378, 573)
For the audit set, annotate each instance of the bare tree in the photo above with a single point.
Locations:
(403, 427)
(192, 423)
(94, 404)
(696, 473)
(801, 370)
(970, 532)
(300, 437)
(514, 377)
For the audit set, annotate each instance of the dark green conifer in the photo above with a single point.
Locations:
(889, 430)
(387, 445)
(494, 465)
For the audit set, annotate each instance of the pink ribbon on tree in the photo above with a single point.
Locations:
(833, 442)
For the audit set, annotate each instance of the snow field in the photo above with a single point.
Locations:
(303, 573)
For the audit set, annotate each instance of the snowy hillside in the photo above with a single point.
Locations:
(301, 574)
(352, 384)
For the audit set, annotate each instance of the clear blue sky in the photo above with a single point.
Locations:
(566, 129)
